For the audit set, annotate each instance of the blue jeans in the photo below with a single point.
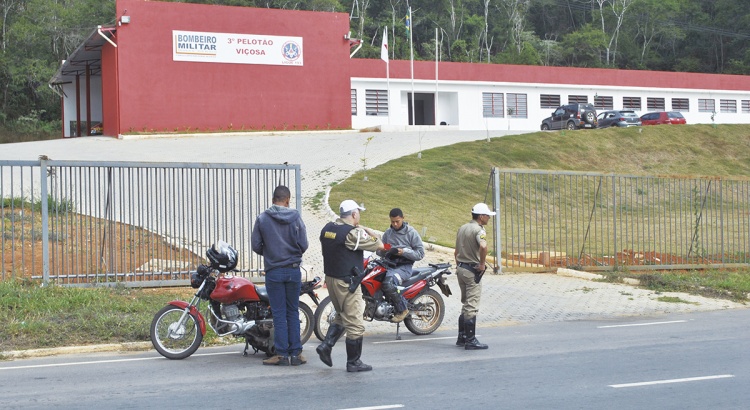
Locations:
(283, 286)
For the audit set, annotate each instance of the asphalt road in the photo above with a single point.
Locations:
(677, 361)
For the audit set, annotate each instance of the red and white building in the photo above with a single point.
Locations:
(185, 68)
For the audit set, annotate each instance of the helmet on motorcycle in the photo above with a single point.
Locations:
(222, 257)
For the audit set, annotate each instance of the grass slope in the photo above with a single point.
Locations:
(437, 191)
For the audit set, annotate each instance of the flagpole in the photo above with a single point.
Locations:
(437, 98)
(387, 74)
(411, 48)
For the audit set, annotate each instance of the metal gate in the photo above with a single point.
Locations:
(141, 224)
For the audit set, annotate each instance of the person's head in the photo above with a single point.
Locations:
(281, 195)
(481, 213)
(350, 209)
(397, 219)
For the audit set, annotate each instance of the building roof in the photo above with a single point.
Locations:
(88, 54)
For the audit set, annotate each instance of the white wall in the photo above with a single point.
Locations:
(69, 103)
(460, 103)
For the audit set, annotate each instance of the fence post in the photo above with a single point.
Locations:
(614, 218)
(45, 218)
(496, 206)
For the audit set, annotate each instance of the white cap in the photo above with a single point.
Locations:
(482, 209)
(348, 206)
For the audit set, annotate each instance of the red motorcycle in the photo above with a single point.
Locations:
(236, 306)
(426, 306)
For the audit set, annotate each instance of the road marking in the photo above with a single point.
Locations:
(643, 324)
(688, 379)
(389, 406)
(37, 366)
(416, 340)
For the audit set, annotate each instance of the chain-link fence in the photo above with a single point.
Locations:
(605, 221)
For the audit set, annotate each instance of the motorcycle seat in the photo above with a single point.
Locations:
(417, 275)
(262, 293)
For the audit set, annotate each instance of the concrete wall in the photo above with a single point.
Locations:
(461, 85)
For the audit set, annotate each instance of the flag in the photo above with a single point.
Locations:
(384, 47)
(408, 23)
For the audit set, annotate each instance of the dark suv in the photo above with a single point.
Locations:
(571, 117)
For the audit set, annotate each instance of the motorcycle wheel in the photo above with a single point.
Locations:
(306, 320)
(172, 339)
(324, 315)
(427, 315)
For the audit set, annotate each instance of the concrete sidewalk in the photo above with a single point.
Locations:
(329, 157)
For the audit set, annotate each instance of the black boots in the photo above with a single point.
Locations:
(461, 341)
(471, 341)
(324, 349)
(353, 352)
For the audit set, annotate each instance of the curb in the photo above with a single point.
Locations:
(54, 351)
(592, 276)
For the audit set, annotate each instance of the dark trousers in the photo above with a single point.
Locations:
(283, 285)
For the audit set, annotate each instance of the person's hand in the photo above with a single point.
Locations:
(480, 267)
(400, 251)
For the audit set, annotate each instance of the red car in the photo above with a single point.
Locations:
(662, 117)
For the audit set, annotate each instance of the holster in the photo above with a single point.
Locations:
(477, 274)
(356, 279)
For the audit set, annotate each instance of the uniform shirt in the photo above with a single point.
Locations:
(358, 239)
(470, 237)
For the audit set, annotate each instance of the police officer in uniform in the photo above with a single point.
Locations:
(470, 254)
(343, 243)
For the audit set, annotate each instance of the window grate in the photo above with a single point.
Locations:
(517, 107)
(578, 99)
(549, 101)
(633, 103)
(680, 104)
(728, 105)
(656, 104)
(493, 105)
(354, 101)
(706, 105)
(376, 102)
(603, 102)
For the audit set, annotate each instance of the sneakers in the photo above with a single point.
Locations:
(297, 360)
(277, 360)
(398, 317)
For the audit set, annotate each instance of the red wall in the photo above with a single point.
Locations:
(110, 103)
(366, 68)
(158, 94)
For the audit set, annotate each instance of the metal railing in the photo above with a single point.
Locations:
(606, 222)
(144, 224)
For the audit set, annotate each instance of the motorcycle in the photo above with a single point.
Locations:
(236, 307)
(426, 306)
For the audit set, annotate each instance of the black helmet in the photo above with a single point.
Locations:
(222, 259)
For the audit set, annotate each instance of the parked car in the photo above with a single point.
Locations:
(663, 117)
(618, 118)
(571, 117)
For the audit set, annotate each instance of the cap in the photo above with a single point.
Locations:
(349, 205)
(482, 209)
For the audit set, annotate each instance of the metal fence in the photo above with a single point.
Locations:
(606, 221)
(142, 224)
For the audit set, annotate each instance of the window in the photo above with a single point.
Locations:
(728, 105)
(574, 99)
(376, 102)
(493, 105)
(550, 101)
(603, 102)
(680, 104)
(633, 103)
(706, 105)
(746, 106)
(354, 101)
(517, 106)
(655, 104)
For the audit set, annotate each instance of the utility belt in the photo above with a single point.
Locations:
(477, 274)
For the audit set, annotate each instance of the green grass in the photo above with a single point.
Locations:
(51, 316)
(437, 191)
